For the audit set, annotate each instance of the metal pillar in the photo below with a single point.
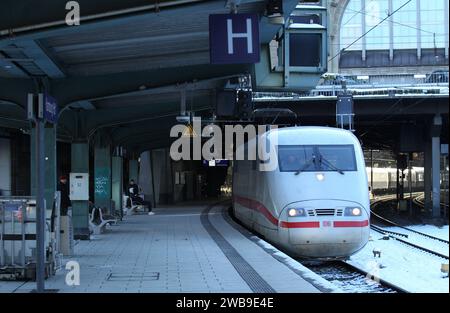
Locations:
(49, 152)
(40, 204)
(117, 183)
(80, 209)
(43, 186)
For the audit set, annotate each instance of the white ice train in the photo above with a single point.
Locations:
(315, 204)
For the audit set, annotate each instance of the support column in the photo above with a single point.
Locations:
(391, 31)
(50, 165)
(371, 172)
(80, 209)
(133, 166)
(436, 171)
(419, 30)
(427, 174)
(146, 177)
(162, 174)
(102, 177)
(5, 167)
(436, 165)
(446, 27)
(363, 31)
(117, 183)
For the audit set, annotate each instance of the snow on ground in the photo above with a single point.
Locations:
(440, 232)
(423, 241)
(403, 266)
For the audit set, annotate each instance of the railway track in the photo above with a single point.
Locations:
(350, 278)
(401, 237)
(419, 200)
(390, 234)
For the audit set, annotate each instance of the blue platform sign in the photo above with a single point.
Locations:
(234, 38)
(50, 109)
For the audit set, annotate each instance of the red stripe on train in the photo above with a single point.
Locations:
(257, 206)
(351, 223)
(300, 224)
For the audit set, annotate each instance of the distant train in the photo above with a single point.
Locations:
(385, 179)
(315, 204)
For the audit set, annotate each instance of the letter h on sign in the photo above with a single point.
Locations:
(234, 38)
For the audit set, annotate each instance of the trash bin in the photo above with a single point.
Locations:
(67, 244)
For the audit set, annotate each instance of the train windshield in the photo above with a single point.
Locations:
(311, 158)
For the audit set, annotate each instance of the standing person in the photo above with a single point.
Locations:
(133, 193)
(63, 187)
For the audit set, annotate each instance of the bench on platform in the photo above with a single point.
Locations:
(98, 220)
(134, 207)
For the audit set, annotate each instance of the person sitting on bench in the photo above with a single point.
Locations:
(133, 193)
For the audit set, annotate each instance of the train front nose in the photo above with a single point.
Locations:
(325, 229)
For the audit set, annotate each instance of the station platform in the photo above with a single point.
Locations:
(184, 248)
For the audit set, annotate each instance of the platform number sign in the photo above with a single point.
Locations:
(50, 109)
(234, 38)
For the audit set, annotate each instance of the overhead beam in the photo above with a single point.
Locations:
(48, 18)
(68, 90)
(50, 13)
(41, 58)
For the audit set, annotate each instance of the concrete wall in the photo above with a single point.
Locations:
(5, 167)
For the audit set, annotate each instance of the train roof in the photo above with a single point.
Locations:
(306, 135)
(312, 135)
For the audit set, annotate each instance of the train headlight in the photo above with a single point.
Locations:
(353, 211)
(296, 212)
(320, 176)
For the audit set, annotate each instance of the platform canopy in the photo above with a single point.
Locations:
(122, 69)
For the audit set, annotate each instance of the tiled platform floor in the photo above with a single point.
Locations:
(170, 251)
